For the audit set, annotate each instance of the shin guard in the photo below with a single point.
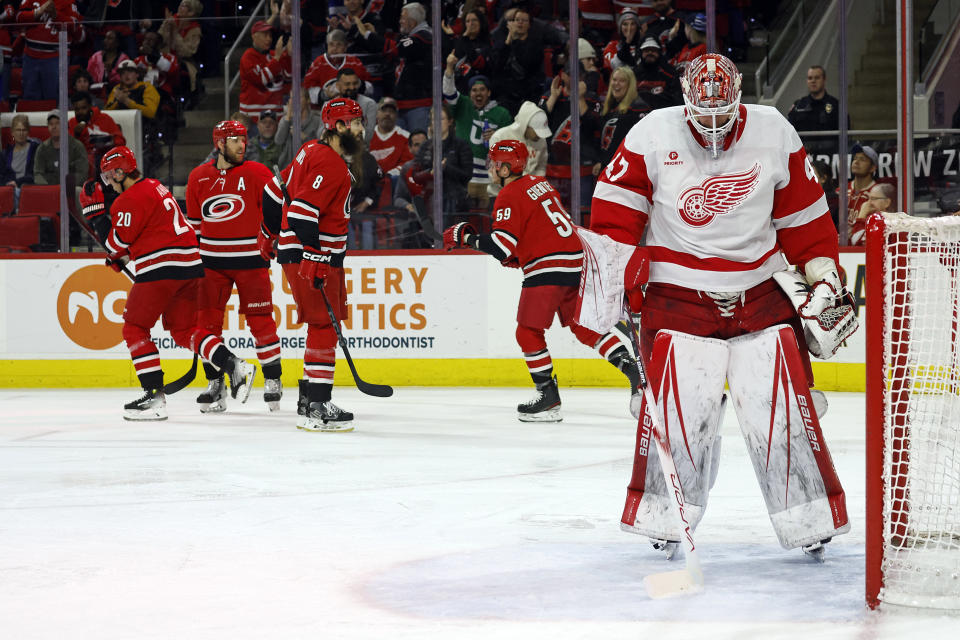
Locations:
(687, 374)
(768, 386)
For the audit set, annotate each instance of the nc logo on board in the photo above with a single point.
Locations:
(90, 307)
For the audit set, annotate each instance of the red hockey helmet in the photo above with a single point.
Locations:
(228, 129)
(118, 158)
(512, 153)
(342, 110)
(711, 93)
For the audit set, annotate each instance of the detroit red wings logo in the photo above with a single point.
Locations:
(715, 196)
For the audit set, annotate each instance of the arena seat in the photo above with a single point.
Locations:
(20, 233)
(6, 200)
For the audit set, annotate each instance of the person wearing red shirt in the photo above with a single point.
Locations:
(324, 69)
(43, 20)
(224, 206)
(264, 73)
(94, 128)
(532, 232)
(389, 144)
(148, 231)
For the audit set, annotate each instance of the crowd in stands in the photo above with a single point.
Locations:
(506, 73)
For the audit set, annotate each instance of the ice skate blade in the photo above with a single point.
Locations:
(273, 405)
(330, 427)
(213, 407)
(672, 583)
(241, 390)
(816, 554)
(550, 415)
(145, 416)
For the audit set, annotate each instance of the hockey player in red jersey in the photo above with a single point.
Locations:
(311, 232)
(724, 198)
(532, 231)
(149, 231)
(224, 206)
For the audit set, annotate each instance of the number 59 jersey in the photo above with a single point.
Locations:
(530, 224)
(148, 225)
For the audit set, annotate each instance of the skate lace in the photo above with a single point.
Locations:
(726, 301)
(533, 401)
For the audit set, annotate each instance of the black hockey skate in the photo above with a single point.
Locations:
(152, 406)
(628, 366)
(669, 547)
(816, 549)
(272, 392)
(543, 407)
(241, 379)
(214, 397)
(326, 416)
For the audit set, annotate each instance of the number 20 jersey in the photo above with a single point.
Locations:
(530, 224)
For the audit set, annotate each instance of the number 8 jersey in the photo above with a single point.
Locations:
(530, 224)
(148, 225)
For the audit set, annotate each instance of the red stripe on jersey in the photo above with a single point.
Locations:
(802, 191)
(607, 345)
(663, 254)
(555, 262)
(620, 222)
(237, 246)
(628, 171)
(814, 239)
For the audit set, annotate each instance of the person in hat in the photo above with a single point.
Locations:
(265, 146)
(264, 72)
(530, 126)
(389, 143)
(46, 161)
(863, 166)
(589, 71)
(323, 70)
(133, 93)
(692, 46)
(658, 83)
(475, 118)
(625, 49)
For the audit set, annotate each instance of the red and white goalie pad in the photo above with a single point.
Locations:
(687, 374)
(600, 300)
(769, 388)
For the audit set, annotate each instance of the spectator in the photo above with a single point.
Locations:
(457, 166)
(817, 111)
(19, 156)
(82, 82)
(828, 184)
(348, 86)
(408, 225)
(46, 162)
(7, 16)
(530, 126)
(622, 109)
(281, 19)
(625, 50)
(658, 83)
(472, 50)
(694, 45)
(132, 93)
(518, 63)
(263, 72)
(414, 70)
(589, 72)
(475, 119)
(263, 146)
(881, 197)
(95, 129)
(43, 20)
(862, 167)
(323, 71)
(181, 36)
(104, 65)
(162, 70)
(661, 22)
(366, 180)
(389, 144)
(597, 20)
(365, 39)
(310, 128)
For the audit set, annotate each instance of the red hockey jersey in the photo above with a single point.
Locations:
(323, 70)
(318, 183)
(148, 225)
(224, 206)
(262, 80)
(391, 150)
(530, 223)
(43, 32)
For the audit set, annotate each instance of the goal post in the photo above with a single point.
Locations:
(913, 411)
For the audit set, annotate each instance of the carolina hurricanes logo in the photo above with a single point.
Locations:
(606, 137)
(699, 205)
(222, 208)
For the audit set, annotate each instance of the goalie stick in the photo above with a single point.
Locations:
(191, 374)
(426, 222)
(369, 388)
(688, 580)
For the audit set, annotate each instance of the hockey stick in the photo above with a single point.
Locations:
(690, 579)
(181, 382)
(369, 388)
(426, 222)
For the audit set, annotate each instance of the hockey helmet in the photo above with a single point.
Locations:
(512, 153)
(711, 94)
(228, 129)
(342, 110)
(118, 158)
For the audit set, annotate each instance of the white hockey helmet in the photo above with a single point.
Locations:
(711, 94)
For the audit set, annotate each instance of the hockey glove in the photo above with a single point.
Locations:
(635, 275)
(456, 235)
(267, 244)
(315, 267)
(91, 199)
(511, 262)
(117, 262)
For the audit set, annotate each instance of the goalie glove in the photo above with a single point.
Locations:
(826, 309)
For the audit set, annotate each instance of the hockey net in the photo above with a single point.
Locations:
(913, 411)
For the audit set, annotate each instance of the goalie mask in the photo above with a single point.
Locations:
(711, 94)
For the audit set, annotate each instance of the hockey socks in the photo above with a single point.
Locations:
(540, 366)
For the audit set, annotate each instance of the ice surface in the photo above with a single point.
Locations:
(441, 516)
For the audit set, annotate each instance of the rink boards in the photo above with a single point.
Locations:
(427, 318)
